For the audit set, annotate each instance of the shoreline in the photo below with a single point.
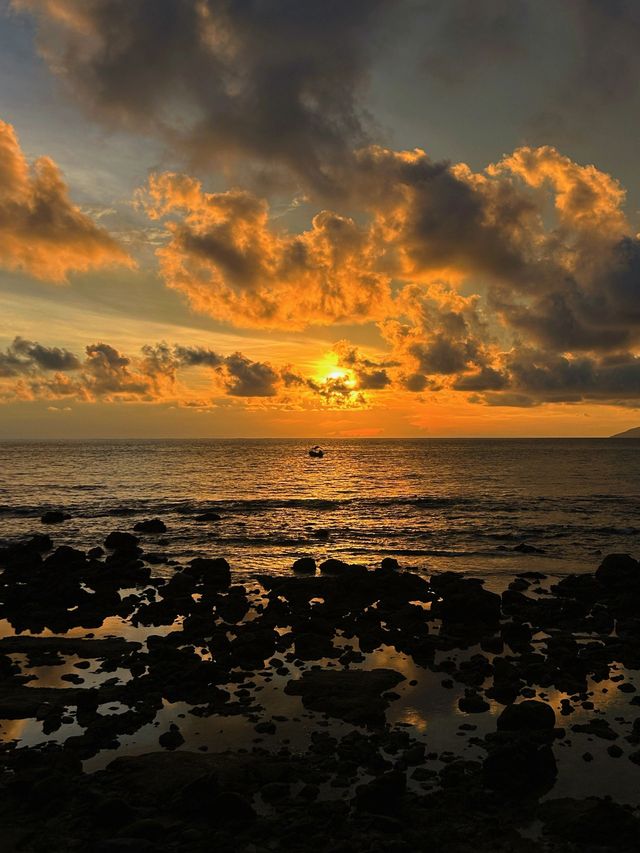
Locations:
(339, 701)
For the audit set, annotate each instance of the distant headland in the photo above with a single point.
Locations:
(629, 433)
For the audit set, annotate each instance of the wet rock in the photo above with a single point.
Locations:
(389, 564)
(54, 516)
(473, 703)
(590, 824)
(120, 539)
(274, 791)
(339, 567)
(351, 695)
(152, 525)
(172, 738)
(524, 548)
(39, 542)
(214, 572)
(464, 601)
(618, 572)
(208, 516)
(310, 646)
(529, 715)
(233, 807)
(32, 646)
(305, 565)
(599, 727)
(382, 795)
(520, 765)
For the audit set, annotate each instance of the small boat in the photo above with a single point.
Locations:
(316, 452)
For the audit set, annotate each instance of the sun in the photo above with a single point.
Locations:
(327, 369)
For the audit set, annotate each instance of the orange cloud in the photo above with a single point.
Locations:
(231, 264)
(42, 233)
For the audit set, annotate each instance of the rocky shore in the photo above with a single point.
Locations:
(116, 663)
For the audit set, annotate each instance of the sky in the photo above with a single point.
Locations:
(248, 218)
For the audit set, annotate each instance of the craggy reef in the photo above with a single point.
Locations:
(525, 674)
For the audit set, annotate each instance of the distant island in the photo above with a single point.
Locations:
(629, 433)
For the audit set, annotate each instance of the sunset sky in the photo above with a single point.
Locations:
(319, 218)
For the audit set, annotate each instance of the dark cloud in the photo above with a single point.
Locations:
(369, 375)
(198, 357)
(442, 355)
(465, 37)
(531, 377)
(486, 379)
(23, 356)
(415, 382)
(106, 372)
(597, 307)
(248, 378)
(609, 62)
(277, 80)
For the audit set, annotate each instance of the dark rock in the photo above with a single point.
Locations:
(119, 539)
(172, 738)
(339, 567)
(389, 564)
(598, 727)
(351, 695)
(464, 601)
(214, 572)
(54, 516)
(233, 807)
(274, 791)
(208, 516)
(305, 565)
(382, 795)
(152, 525)
(618, 571)
(529, 715)
(473, 703)
(523, 548)
(519, 765)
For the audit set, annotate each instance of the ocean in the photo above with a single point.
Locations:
(433, 504)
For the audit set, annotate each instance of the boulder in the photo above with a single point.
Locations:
(208, 516)
(520, 766)
(464, 601)
(213, 572)
(355, 696)
(342, 569)
(54, 516)
(617, 572)
(389, 564)
(172, 738)
(151, 525)
(305, 565)
(120, 540)
(383, 794)
(529, 715)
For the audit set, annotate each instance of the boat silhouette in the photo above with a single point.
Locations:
(316, 452)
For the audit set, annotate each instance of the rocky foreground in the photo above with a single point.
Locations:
(365, 785)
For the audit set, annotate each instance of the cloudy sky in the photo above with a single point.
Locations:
(319, 217)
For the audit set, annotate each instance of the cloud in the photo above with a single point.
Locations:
(466, 37)
(231, 263)
(369, 375)
(23, 356)
(452, 265)
(42, 233)
(279, 80)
